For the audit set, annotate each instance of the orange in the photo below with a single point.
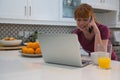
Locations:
(36, 45)
(24, 49)
(30, 45)
(30, 51)
(38, 51)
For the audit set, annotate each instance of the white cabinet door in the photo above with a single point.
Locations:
(29, 9)
(44, 9)
(67, 8)
(111, 4)
(102, 4)
(93, 3)
(13, 9)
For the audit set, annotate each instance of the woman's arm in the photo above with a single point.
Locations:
(99, 44)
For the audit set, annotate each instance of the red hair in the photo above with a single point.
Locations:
(84, 11)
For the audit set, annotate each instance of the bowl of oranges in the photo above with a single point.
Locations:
(32, 49)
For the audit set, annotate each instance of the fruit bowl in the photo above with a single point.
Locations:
(10, 42)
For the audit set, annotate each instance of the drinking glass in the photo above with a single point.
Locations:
(96, 55)
(104, 62)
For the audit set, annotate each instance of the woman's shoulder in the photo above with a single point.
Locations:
(104, 30)
(103, 27)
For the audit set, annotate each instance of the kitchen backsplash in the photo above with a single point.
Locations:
(13, 30)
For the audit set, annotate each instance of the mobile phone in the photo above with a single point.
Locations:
(91, 28)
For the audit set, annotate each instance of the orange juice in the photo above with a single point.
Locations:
(104, 62)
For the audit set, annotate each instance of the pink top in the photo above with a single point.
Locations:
(89, 45)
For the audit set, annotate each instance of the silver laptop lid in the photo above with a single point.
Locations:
(60, 49)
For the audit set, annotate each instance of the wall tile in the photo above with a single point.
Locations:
(12, 30)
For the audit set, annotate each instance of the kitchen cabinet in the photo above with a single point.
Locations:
(13, 9)
(55, 12)
(111, 4)
(102, 4)
(105, 12)
(94, 3)
(44, 9)
(68, 7)
(29, 9)
(32, 12)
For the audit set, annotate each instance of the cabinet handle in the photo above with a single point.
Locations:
(25, 11)
(29, 10)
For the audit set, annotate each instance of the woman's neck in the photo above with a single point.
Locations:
(89, 36)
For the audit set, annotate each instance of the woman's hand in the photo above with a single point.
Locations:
(93, 24)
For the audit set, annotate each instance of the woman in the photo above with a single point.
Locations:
(91, 35)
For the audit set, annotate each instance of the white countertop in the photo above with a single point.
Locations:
(13, 66)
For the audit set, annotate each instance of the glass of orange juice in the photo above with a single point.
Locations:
(104, 62)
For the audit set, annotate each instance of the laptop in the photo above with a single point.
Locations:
(61, 49)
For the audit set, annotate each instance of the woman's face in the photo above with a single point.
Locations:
(82, 23)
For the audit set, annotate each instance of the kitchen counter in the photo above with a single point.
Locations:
(13, 66)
